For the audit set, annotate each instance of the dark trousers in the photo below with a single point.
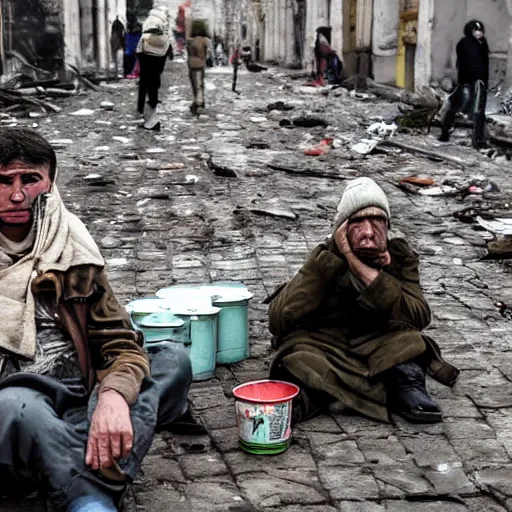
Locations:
(197, 82)
(469, 99)
(129, 64)
(45, 424)
(151, 69)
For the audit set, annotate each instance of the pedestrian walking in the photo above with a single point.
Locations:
(197, 49)
(152, 52)
(470, 95)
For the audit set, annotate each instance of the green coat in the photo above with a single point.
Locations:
(337, 336)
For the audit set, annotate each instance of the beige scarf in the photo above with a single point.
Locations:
(60, 241)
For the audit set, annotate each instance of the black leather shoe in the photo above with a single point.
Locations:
(444, 137)
(407, 394)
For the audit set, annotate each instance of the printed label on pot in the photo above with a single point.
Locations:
(263, 424)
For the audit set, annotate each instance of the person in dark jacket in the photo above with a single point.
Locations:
(470, 96)
(348, 326)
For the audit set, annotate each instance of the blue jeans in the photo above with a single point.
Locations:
(45, 425)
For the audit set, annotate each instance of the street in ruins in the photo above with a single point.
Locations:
(230, 195)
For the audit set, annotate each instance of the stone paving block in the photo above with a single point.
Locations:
(362, 427)
(181, 444)
(357, 506)
(208, 397)
(219, 417)
(335, 453)
(345, 483)
(406, 478)
(323, 423)
(226, 439)
(430, 451)
(263, 491)
(214, 496)
(481, 451)
(158, 469)
(458, 408)
(450, 480)
(383, 452)
(197, 466)
(295, 458)
(484, 504)
(424, 506)
(468, 428)
(161, 498)
(310, 508)
(496, 479)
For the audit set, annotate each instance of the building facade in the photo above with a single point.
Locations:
(38, 38)
(408, 43)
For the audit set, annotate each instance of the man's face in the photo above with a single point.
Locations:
(367, 234)
(20, 185)
(478, 34)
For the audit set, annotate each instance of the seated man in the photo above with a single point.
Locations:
(73, 424)
(348, 325)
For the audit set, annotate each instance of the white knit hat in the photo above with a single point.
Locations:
(359, 194)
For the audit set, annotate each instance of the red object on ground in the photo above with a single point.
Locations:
(320, 149)
(266, 391)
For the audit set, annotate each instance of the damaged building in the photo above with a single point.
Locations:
(40, 38)
(408, 43)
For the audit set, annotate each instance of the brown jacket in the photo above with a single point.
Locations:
(197, 49)
(109, 351)
(339, 337)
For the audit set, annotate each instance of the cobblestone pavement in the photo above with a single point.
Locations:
(157, 225)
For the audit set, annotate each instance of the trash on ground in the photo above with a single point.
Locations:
(419, 181)
(365, 146)
(280, 105)
(83, 112)
(320, 149)
(496, 226)
(382, 129)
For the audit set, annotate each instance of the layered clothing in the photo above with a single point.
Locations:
(337, 336)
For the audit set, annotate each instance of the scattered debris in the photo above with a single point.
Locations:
(505, 310)
(124, 140)
(83, 112)
(305, 122)
(258, 145)
(382, 129)
(419, 181)
(269, 212)
(162, 166)
(497, 226)
(320, 149)
(107, 105)
(365, 146)
(281, 106)
(429, 154)
(60, 143)
(221, 170)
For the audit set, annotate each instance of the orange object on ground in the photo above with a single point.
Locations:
(419, 182)
(320, 149)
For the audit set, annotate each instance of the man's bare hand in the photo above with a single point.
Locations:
(110, 433)
(340, 237)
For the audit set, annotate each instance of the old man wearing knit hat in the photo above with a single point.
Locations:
(348, 326)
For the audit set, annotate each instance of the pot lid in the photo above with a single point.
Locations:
(162, 320)
(145, 306)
